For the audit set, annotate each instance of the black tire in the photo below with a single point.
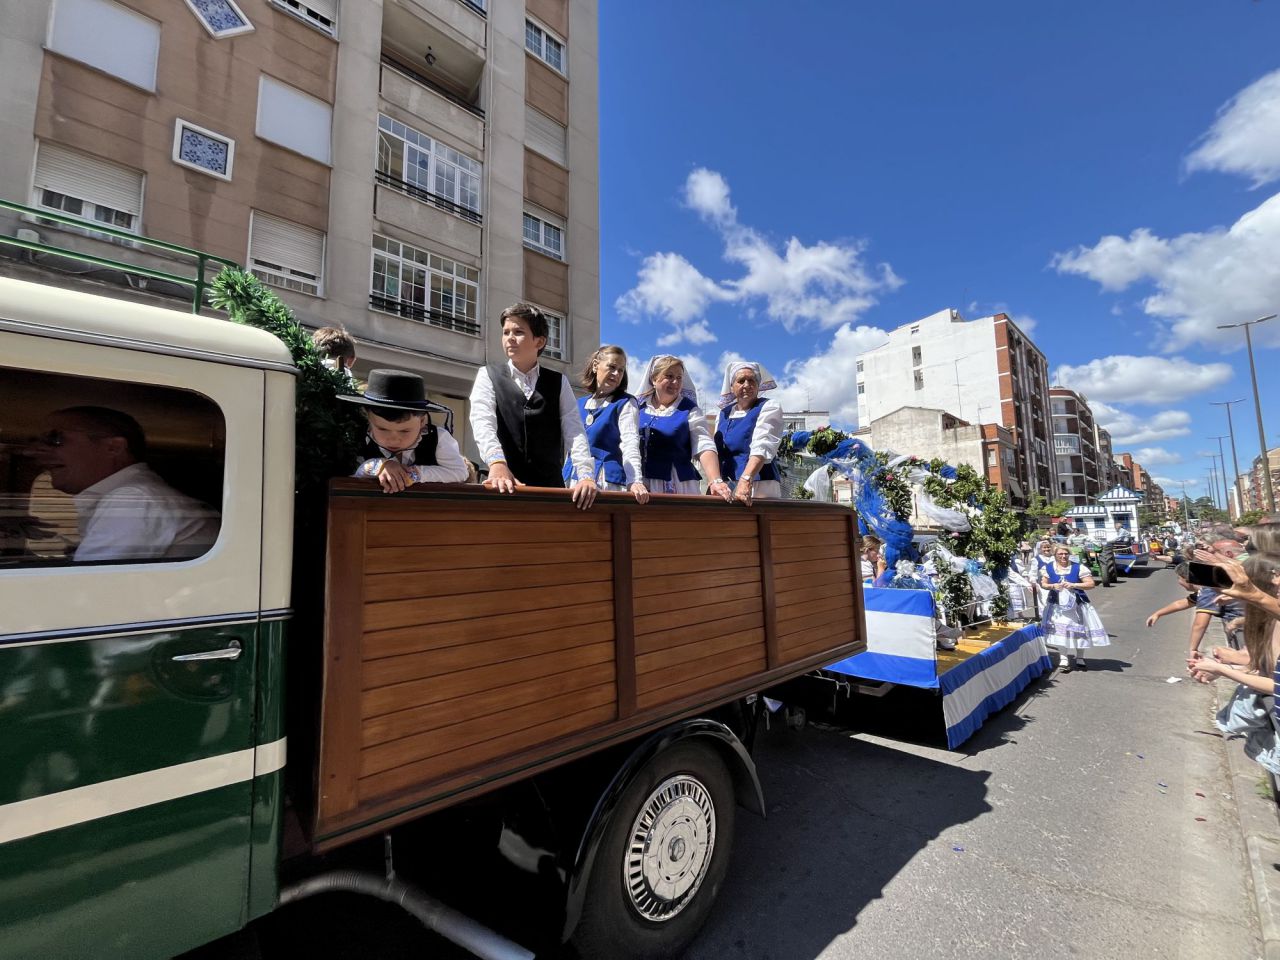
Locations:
(613, 926)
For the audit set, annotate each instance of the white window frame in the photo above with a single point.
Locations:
(437, 156)
(262, 129)
(453, 322)
(37, 199)
(560, 323)
(537, 44)
(224, 34)
(539, 243)
(179, 125)
(313, 18)
(280, 275)
(87, 55)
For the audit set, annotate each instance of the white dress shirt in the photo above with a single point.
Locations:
(448, 468)
(135, 515)
(629, 428)
(484, 418)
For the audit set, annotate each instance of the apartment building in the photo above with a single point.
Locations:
(1107, 470)
(984, 371)
(404, 168)
(1253, 483)
(930, 433)
(1075, 447)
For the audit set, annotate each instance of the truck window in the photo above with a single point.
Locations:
(106, 471)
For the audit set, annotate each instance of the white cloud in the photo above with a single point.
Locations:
(1222, 275)
(1155, 456)
(695, 333)
(1153, 380)
(707, 193)
(826, 284)
(1128, 429)
(1026, 323)
(826, 381)
(1245, 137)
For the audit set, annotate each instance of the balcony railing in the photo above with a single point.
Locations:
(413, 311)
(430, 84)
(426, 196)
(1066, 445)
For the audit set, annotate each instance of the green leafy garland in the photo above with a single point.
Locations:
(328, 431)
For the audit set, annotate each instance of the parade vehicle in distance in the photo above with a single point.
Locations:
(559, 698)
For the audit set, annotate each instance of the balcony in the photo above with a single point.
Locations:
(450, 236)
(409, 189)
(434, 318)
(454, 30)
(441, 109)
(1066, 445)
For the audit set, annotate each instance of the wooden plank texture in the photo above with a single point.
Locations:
(624, 620)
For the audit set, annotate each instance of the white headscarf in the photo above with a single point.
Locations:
(687, 389)
(763, 380)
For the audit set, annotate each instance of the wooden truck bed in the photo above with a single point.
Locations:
(473, 639)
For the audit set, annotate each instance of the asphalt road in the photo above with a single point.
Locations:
(1089, 820)
(1069, 826)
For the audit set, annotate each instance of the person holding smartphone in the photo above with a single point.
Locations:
(1070, 623)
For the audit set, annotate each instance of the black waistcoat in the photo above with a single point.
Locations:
(424, 454)
(529, 429)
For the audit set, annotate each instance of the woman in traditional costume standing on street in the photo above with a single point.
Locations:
(612, 419)
(1070, 623)
(748, 432)
(673, 432)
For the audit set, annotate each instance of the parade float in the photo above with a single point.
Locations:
(949, 613)
(1118, 507)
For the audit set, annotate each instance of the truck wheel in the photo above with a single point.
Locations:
(662, 860)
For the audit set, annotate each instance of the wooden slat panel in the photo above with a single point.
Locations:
(391, 643)
(803, 568)
(790, 598)
(677, 619)
(720, 547)
(827, 603)
(340, 730)
(800, 621)
(662, 639)
(480, 506)
(678, 656)
(660, 586)
(671, 566)
(821, 551)
(404, 723)
(405, 586)
(624, 621)
(466, 656)
(426, 771)
(837, 575)
(390, 614)
(503, 533)
(467, 732)
(403, 696)
(768, 590)
(405, 559)
(700, 675)
(836, 534)
(687, 598)
(813, 640)
(645, 529)
(795, 524)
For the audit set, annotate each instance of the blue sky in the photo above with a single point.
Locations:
(786, 181)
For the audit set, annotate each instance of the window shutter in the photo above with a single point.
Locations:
(326, 8)
(544, 135)
(79, 175)
(297, 248)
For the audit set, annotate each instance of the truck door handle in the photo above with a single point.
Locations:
(231, 652)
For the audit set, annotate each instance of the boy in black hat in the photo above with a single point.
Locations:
(403, 446)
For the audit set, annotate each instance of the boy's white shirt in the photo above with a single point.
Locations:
(484, 418)
(448, 468)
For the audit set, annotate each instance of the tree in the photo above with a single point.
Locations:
(1147, 518)
(1043, 509)
(1202, 508)
(1249, 518)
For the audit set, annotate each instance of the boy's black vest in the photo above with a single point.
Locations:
(529, 429)
(424, 454)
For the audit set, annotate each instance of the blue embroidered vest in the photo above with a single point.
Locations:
(733, 443)
(1073, 575)
(604, 436)
(665, 442)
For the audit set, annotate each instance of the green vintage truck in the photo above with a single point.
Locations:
(573, 715)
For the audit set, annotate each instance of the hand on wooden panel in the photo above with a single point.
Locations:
(393, 476)
(501, 478)
(640, 492)
(584, 493)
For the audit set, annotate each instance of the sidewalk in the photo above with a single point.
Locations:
(1254, 792)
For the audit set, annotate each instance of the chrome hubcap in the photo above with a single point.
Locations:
(670, 848)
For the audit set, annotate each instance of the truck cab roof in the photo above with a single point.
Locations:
(72, 315)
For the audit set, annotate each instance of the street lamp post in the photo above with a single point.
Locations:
(1268, 495)
(1213, 479)
(1222, 457)
(1235, 463)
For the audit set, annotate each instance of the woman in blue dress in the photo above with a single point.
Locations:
(612, 420)
(748, 432)
(674, 432)
(1070, 623)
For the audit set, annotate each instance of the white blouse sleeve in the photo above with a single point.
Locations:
(768, 432)
(629, 427)
(574, 434)
(700, 433)
(484, 419)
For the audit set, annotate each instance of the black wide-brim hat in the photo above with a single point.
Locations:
(394, 390)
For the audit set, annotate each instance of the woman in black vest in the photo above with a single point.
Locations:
(524, 416)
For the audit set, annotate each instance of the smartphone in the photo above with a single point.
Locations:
(1207, 575)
